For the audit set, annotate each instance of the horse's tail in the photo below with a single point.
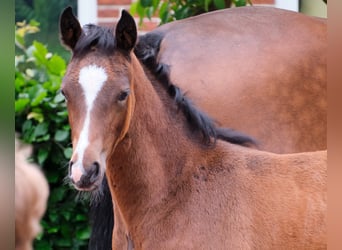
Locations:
(102, 220)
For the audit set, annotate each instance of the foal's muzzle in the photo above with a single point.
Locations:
(86, 179)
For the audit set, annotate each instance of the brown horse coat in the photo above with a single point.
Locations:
(171, 193)
(260, 70)
(257, 201)
(170, 190)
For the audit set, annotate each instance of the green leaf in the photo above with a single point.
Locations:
(146, 3)
(239, 3)
(57, 194)
(40, 95)
(43, 138)
(63, 113)
(58, 98)
(56, 65)
(52, 176)
(182, 12)
(53, 229)
(55, 82)
(155, 4)
(43, 245)
(19, 40)
(21, 104)
(66, 126)
(206, 5)
(66, 230)
(19, 82)
(34, 23)
(27, 125)
(42, 155)
(83, 234)
(41, 129)
(220, 4)
(81, 217)
(133, 8)
(27, 131)
(67, 215)
(64, 243)
(40, 235)
(149, 12)
(36, 116)
(164, 12)
(35, 90)
(40, 52)
(47, 85)
(61, 135)
(141, 12)
(67, 153)
(53, 215)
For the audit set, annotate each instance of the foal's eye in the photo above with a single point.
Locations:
(63, 94)
(123, 95)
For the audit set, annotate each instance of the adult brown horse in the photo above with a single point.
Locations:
(172, 190)
(257, 69)
(260, 70)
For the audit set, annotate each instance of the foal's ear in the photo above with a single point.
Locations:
(126, 32)
(69, 28)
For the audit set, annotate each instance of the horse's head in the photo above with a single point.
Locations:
(98, 91)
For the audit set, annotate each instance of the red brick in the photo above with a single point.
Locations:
(114, 2)
(108, 13)
(148, 25)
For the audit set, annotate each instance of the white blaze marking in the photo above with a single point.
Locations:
(91, 79)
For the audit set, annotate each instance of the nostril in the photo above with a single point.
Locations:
(96, 167)
(69, 168)
(94, 171)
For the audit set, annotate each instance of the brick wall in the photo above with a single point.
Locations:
(109, 11)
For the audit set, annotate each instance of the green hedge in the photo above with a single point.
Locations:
(41, 120)
(178, 9)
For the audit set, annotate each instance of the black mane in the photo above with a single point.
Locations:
(146, 50)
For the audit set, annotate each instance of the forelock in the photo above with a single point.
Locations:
(95, 37)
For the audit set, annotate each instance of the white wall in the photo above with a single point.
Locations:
(87, 11)
(287, 4)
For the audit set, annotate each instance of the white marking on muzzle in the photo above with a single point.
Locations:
(91, 79)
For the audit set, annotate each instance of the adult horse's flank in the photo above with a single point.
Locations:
(171, 189)
(260, 70)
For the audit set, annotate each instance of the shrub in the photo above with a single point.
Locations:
(177, 9)
(41, 120)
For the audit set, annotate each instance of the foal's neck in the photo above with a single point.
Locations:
(153, 157)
